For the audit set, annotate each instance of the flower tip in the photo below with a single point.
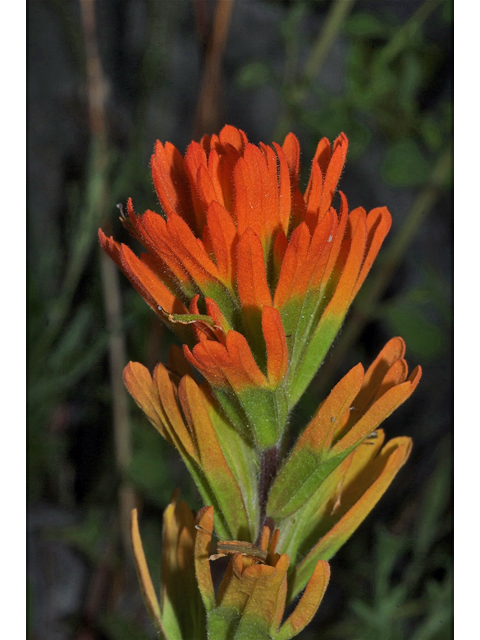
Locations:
(407, 448)
(127, 369)
(132, 372)
(130, 206)
(344, 201)
(291, 138)
(146, 584)
(175, 494)
(415, 376)
(400, 345)
(204, 519)
(359, 367)
(309, 602)
(104, 240)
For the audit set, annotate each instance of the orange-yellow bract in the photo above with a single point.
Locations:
(251, 597)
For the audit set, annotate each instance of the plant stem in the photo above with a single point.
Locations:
(321, 47)
(268, 471)
(208, 115)
(96, 93)
(405, 33)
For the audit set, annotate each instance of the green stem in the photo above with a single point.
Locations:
(320, 50)
(268, 472)
(403, 35)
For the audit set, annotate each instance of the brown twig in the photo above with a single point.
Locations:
(96, 88)
(121, 419)
(208, 117)
(96, 94)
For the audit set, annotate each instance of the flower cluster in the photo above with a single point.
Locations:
(255, 278)
(263, 275)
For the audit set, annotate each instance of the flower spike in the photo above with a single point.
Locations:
(256, 277)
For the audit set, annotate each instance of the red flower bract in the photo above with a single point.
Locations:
(239, 242)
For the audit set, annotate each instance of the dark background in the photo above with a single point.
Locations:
(105, 80)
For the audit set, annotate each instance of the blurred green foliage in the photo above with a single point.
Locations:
(65, 343)
(388, 66)
(120, 627)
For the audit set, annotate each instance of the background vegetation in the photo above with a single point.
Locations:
(106, 79)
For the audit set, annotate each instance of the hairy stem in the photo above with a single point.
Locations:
(268, 471)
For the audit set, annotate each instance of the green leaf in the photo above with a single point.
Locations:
(314, 355)
(259, 414)
(410, 81)
(243, 461)
(87, 536)
(435, 502)
(440, 613)
(228, 624)
(405, 165)
(298, 481)
(389, 549)
(253, 74)
(423, 338)
(367, 25)
(431, 132)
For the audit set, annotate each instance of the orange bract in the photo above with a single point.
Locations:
(237, 237)
(224, 187)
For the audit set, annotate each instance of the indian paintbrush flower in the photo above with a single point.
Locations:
(255, 278)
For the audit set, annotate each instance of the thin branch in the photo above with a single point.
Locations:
(208, 114)
(320, 50)
(96, 87)
(324, 42)
(96, 93)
